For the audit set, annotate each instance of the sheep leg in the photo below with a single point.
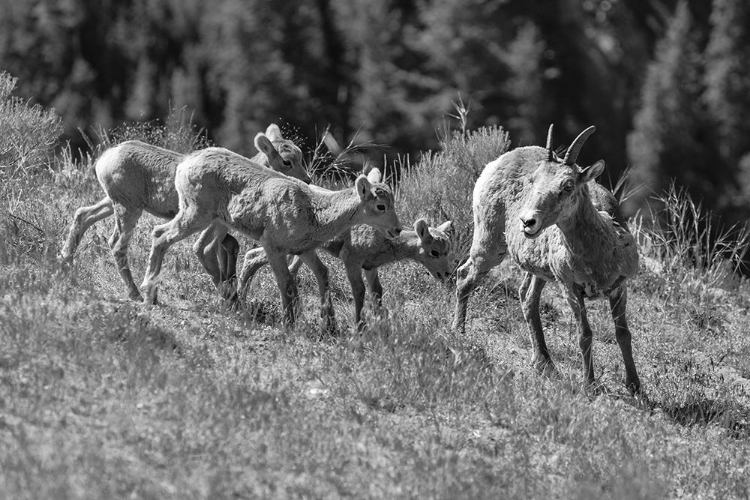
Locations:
(83, 219)
(530, 292)
(354, 275)
(286, 284)
(294, 265)
(206, 248)
(125, 222)
(217, 252)
(255, 259)
(219, 260)
(376, 290)
(586, 339)
(617, 302)
(311, 259)
(524, 288)
(186, 222)
(227, 257)
(468, 277)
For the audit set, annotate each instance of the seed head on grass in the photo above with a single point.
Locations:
(691, 250)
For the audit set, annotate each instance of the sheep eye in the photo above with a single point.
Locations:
(287, 163)
(381, 207)
(568, 187)
(435, 253)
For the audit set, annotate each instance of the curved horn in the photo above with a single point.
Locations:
(549, 142)
(572, 155)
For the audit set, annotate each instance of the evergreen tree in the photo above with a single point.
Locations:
(490, 57)
(727, 94)
(390, 84)
(672, 132)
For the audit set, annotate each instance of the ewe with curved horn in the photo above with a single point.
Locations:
(557, 225)
(286, 216)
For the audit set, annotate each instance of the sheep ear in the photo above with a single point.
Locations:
(446, 227)
(363, 187)
(274, 133)
(422, 230)
(374, 175)
(263, 144)
(592, 172)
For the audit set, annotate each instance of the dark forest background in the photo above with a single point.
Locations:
(666, 82)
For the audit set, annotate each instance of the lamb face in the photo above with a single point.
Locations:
(435, 248)
(280, 154)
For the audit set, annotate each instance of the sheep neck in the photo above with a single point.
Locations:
(580, 228)
(336, 211)
(406, 245)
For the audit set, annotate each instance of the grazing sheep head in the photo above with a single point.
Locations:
(555, 186)
(435, 247)
(378, 204)
(282, 154)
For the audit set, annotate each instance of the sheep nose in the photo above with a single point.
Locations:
(398, 231)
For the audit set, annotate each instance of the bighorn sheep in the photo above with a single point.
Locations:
(136, 176)
(556, 225)
(364, 249)
(286, 216)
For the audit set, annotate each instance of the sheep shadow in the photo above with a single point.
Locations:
(260, 311)
(732, 417)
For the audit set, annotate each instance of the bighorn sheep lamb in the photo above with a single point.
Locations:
(286, 216)
(364, 249)
(557, 226)
(136, 176)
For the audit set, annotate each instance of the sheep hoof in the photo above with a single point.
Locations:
(545, 367)
(149, 300)
(234, 304)
(595, 388)
(329, 327)
(64, 260)
(228, 290)
(633, 386)
(360, 327)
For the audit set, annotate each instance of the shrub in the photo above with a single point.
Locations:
(441, 185)
(28, 134)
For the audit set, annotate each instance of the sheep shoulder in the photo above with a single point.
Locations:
(369, 248)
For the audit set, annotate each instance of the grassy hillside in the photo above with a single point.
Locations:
(101, 397)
